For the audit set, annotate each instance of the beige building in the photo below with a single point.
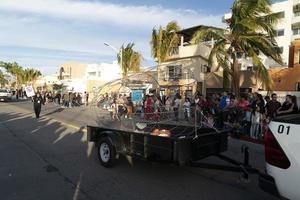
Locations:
(185, 68)
(248, 81)
(72, 70)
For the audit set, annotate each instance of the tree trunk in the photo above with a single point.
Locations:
(235, 77)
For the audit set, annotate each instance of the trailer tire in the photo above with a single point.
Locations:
(106, 152)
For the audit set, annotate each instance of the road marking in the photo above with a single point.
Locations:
(81, 128)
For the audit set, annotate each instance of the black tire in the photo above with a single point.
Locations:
(106, 152)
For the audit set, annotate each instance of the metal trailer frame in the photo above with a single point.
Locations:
(181, 150)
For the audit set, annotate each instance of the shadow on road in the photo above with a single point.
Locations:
(58, 110)
(66, 153)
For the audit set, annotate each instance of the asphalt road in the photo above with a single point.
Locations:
(49, 158)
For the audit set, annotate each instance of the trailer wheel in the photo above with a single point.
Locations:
(106, 152)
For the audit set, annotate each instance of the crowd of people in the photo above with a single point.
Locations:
(248, 114)
(70, 99)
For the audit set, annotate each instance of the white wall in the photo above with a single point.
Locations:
(105, 71)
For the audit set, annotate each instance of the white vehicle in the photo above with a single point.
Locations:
(282, 153)
(5, 95)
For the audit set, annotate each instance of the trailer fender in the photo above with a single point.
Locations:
(116, 139)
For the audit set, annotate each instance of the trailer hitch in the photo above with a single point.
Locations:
(240, 167)
(245, 150)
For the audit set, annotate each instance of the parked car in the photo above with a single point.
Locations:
(5, 95)
(282, 154)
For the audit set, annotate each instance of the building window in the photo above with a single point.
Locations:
(280, 32)
(175, 72)
(250, 68)
(297, 14)
(99, 74)
(298, 86)
(92, 73)
(296, 31)
(277, 1)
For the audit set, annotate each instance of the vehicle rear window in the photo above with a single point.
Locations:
(290, 119)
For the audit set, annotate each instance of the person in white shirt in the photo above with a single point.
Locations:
(187, 109)
(255, 123)
(168, 104)
(176, 106)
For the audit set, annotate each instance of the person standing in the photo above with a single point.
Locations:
(225, 100)
(157, 104)
(288, 107)
(129, 108)
(255, 130)
(168, 106)
(272, 106)
(187, 109)
(58, 98)
(147, 104)
(86, 98)
(37, 104)
(176, 106)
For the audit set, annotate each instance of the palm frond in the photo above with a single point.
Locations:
(207, 33)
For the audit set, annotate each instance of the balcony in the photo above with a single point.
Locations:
(194, 50)
(188, 51)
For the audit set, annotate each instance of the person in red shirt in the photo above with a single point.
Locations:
(243, 104)
(148, 107)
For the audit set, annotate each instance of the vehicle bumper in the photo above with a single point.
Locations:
(4, 98)
(267, 184)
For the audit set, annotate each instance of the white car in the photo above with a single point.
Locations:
(5, 95)
(282, 153)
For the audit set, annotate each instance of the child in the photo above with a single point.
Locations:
(114, 109)
(255, 123)
(187, 109)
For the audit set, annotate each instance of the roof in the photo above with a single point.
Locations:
(189, 32)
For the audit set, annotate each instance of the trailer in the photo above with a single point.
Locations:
(184, 146)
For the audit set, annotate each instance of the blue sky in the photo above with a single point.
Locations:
(46, 33)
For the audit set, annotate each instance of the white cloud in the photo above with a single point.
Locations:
(138, 16)
(83, 26)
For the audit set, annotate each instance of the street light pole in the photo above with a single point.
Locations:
(120, 51)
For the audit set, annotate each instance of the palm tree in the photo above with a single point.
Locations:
(3, 81)
(131, 59)
(163, 40)
(23, 76)
(15, 69)
(30, 75)
(250, 33)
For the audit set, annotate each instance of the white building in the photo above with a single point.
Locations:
(288, 29)
(47, 80)
(80, 77)
(103, 72)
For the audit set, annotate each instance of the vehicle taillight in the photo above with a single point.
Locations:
(273, 152)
